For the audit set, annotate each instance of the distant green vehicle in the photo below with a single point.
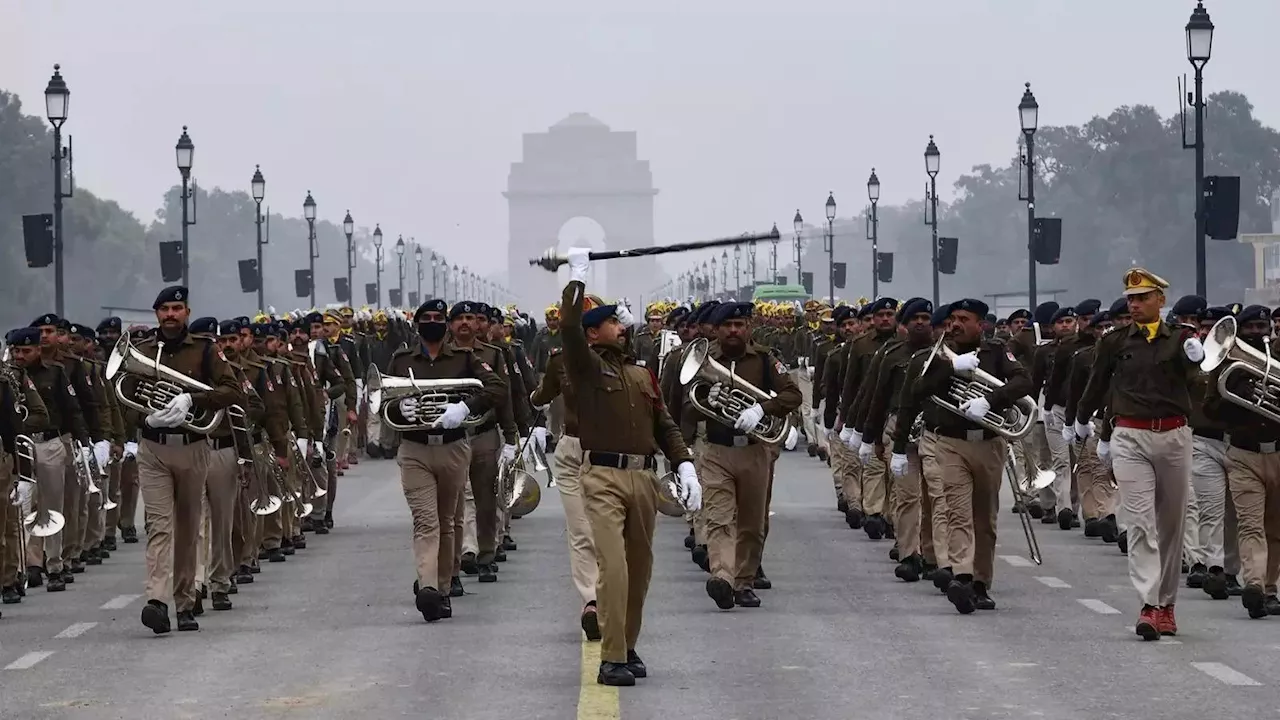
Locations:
(781, 293)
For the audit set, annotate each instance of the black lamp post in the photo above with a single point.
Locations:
(417, 256)
(349, 229)
(400, 261)
(831, 246)
(57, 99)
(773, 257)
(932, 163)
(798, 225)
(713, 276)
(1029, 118)
(258, 184)
(751, 261)
(873, 194)
(435, 265)
(313, 252)
(185, 151)
(737, 269)
(457, 283)
(377, 250)
(1199, 48)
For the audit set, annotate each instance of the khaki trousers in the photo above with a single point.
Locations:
(432, 477)
(379, 433)
(1255, 489)
(51, 471)
(204, 539)
(971, 477)
(621, 507)
(582, 551)
(1153, 470)
(342, 443)
(735, 508)
(326, 477)
(934, 533)
(76, 511)
(1097, 495)
(128, 493)
(876, 484)
(222, 487)
(906, 494)
(801, 378)
(1216, 526)
(479, 520)
(849, 472)
(555, 417)
(111, 518)
(1036, 456)
(172, 481)
(1062, 491)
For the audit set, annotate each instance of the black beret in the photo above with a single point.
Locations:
(731, 311)
(64, 324)
(940, 315)
(482, 308)
(261, 330)
(1020, 314)
(312, 318)
(1088, 307)
(433, 305)
(83, 331)
(977, 307)
(111, 323)
(23, 337)
(1100, 317)
(230, 327)
(46, 319)
(466, 307)
(173, 293)
(1190, 305)
(1254, 312)
(204, 326)
(1044, 312)
(1276, 313)
(991, 318)
(244, 321)
(704, 313)
(1214, 313)
(495, 314)
(594, 317)
(1119, 307)
(1065, 312)
(676, 314)
(1002, 321)
(864, 311)
(914, 307)
(840, 314)
(884, 303)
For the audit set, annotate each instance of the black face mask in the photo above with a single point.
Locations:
(1253, 340)
(432, 332)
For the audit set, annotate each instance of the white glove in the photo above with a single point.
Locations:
(302, 446)
(965, 362)
(1068, 434)
(793, 438)
(855, 439)
(508, 452)
(898, 465)
(809, 371)
(976, 408)
(319, 449)
(167, 418)
(1193, 349)
(453, 415)
(579, 262)
(1082, 430)
(865, 451)
(624, 316)
(131, 449)
(1104, 451)
(815, 414)
(102, 452)
(182, 403)
(359, 388)
(690, 490)
(846, 434)
(748, 419)
(409, 409)
(540, 437)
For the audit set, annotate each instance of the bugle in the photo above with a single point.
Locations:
(552, 261)
(1014, 423)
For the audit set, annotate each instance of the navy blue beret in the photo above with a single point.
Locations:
(64, 324)
(1190, 305)
(884, 303)
(977, 307)
(940, 316)
(482, 308)
(204, 326)
(677, 313)
(1065, 312)
(230, 327)
(1215, 313)
(83, 331)
(23, 337)
(1276, 313)
(840, 314)
(596, 316)
(111, 323)
(1088, 307)
(466, 307)
(1119, 307)
(1044, 312)
(433, 305)
(46, 319)
(1099, 318)
(1020, 314)
(261, 330)
(864, 311)
(731, 311)
(496, 314)
(1254, 312)
(703, 314)
(173, 293)
(914, 307)
(312, 318)
(991, 318)
(244, 321)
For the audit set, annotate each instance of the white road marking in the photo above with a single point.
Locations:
(1017, 561)
(1053, 582)
(75, 630)
(119, 603)
(26, 662)
(1099, 607)
(1224, 674)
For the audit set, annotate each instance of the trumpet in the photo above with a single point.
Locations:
(1014, 424)
(155, 385)
(84, 466)
(432, 395)
(718, 392)
(1222, 346)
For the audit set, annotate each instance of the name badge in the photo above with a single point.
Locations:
(974, 435)
(435, 439)
(1267, 448)
(740, 441)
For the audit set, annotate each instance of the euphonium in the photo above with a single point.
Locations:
(669, 496)
(718, 393)
(155, 385)
(385, 391)
(1013, 424)
(520, 490)
(1222, 346)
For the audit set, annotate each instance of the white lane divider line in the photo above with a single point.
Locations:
(75, 631)
(1098, 606)
(1224, 674)
(1017, 561)
(119, 603)
(28, 661)
(1053, 582)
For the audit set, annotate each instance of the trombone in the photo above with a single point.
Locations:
(1023, 495)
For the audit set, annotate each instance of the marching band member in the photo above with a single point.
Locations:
(518, 392)
(1057, 498)
(876, 501)
(1096, 483)
(1144, 374)
(819, 348)
(434, 460)
(1031, 347)
(108, 332)
(623, 422)
(17, 389)
(172, 461)
(1187, 312)
(345, 406)
(970, 457)
(844, 468)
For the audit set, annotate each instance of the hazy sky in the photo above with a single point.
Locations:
(409, 112)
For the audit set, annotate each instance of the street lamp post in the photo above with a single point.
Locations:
(724, 272)
(259, 187)
(57, 99)
(798, 225)
(417, 256)
(831, 246)
(400, 261)
(873, 194)
(457, 285)
(773, 258)
(349, 229)
(377, 256)
(185, 151)
(751, 261)
(932, 163)
(1199, 48)
(435, 264)
(1029, 118)
(309, 212)
(737, 269)
(713, 276)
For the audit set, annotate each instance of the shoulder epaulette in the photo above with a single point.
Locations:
(402, 350)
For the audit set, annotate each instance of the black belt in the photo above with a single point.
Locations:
(45, 436)
(959, 434)
(436, 437)
(223, 443)
(171, 438)
(718, 434)
(1209, 433)
(622, 461)
(491, 425)
(1253, 446)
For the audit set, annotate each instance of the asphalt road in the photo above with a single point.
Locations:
(333, 633)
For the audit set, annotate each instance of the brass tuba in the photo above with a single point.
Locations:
(385, 391)
(155, 385)
(1222, 346)
(519, 489)
(669, 496)
(1013, 424)
(718, 393)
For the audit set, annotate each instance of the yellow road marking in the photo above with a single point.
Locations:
(595, 701)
